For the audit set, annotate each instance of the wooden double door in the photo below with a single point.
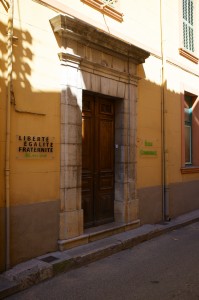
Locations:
(97, 160)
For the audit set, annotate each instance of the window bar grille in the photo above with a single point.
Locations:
(108, 2)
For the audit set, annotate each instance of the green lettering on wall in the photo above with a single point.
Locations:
(148, 152)
(148, 143)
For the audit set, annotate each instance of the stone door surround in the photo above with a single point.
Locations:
(98, 62)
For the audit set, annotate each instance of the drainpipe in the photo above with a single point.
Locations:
(8, 125)
(164, 117)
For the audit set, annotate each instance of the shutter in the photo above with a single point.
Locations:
(188, 30)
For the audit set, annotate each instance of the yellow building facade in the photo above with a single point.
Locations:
(99, 119)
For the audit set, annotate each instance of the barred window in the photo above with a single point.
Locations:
(107, 7)
(110, 2)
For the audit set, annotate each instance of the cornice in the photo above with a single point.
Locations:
(76, 29)
(190, 170)
(188, 55)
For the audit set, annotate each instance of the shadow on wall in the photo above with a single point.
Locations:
(21, 71)
(34, 187)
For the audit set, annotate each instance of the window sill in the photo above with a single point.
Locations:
(188, 55)
(105, 9)
(189, 170)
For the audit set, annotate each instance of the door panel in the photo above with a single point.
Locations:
(87, 160)
(97, 160)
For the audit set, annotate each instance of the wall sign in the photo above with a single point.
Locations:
(29, 146)
(148, 149)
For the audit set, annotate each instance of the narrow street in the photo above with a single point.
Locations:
(166, 267)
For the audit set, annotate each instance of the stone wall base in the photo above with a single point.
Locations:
(71, 224)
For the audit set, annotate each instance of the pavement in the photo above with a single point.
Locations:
(41, 268)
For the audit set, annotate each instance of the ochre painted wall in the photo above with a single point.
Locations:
(35, 112)
(35, 182)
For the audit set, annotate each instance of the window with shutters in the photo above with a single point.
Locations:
(188, 104)
(188, 49)
(188, 23)
(107, 7)
(190, 129)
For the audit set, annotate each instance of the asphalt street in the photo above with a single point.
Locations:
(166, 267)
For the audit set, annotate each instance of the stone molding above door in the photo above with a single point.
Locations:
(73, 29)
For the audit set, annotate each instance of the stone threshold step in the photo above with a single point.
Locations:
(97, 233)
